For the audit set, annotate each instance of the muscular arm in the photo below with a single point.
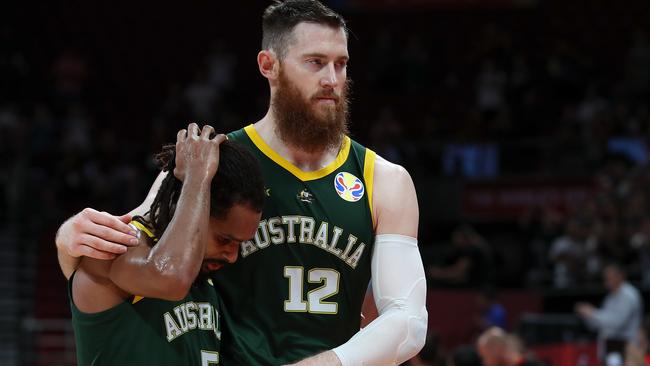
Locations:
(164, 271)
(395, 202)
(168, 269)
(98, 234)
(398, 281)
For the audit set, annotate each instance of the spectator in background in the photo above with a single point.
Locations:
(201, 96)
(491, 312)
(539, 229)
(221, 65)
(498, 348)
(619, 318)
(490, 91)
(640, 243)
(612, 244)
(568, 253)
(467, 264)
(492, 347)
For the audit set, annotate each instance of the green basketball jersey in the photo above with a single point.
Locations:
(144, 331)
(298, 287)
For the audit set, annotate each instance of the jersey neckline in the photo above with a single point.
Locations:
(341, 157)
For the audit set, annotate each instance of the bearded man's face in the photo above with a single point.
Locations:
(311, 95)
(311, 123)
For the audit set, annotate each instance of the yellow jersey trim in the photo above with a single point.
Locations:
(368, 177)
(142, 228)
(300, 174)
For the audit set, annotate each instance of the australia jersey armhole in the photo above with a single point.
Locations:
(368, 177)
(138, 224)
(141, 227)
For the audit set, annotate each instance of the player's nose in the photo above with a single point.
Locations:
(329, 79)
(231, 254)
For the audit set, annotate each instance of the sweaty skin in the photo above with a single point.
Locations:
(317, 61)
(168, 269)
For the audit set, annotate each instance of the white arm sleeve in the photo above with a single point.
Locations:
(399, 288)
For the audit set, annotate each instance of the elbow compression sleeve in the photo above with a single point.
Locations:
(399, 289)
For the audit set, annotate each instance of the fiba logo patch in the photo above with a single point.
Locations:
(349, 187)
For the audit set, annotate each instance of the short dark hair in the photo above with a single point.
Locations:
(281, 17)
(238, 181)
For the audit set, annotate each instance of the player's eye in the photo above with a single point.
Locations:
(222, 240)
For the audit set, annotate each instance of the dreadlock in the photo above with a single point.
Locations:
(238, 180)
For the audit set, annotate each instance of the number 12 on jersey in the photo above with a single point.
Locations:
(209, 358)
(315, 304)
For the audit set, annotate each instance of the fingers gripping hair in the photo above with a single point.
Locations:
(239, 181)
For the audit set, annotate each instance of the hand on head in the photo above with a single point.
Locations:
(197, 152)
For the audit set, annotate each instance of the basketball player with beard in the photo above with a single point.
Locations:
(336, 217)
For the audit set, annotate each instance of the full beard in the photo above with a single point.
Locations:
(300, 125)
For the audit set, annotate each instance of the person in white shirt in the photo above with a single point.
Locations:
(619, 318)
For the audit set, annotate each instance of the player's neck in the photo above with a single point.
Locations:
(304, 160)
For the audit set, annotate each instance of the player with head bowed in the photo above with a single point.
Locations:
(155, 304)
(336, 217)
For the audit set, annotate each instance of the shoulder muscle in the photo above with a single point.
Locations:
(394, 201)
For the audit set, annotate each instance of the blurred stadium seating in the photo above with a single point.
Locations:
(515, 118)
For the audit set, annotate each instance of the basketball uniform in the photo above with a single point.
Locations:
(144, 331)
(298, 286)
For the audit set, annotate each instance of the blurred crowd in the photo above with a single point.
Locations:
(532, 99)
(552, 106)
(493, 347)
(561, 248)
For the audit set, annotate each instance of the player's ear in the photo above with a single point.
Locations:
(269, 64)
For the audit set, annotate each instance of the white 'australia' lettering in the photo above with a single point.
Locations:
(190, 316)
(305, 230)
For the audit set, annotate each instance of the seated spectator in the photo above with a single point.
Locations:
(498, 348)
(467, 264)
(568, 253)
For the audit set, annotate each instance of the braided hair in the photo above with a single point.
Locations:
(238, 180)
